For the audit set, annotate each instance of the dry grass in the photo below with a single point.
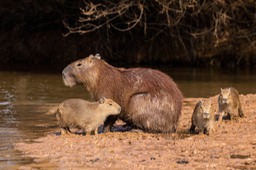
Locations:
(220, 32)
(189, 29)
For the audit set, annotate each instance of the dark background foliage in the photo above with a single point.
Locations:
(53, 33)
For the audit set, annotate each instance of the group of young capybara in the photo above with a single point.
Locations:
(143, 98)
(229, 106)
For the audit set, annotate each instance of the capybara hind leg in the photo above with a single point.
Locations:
(62, 131)
(210, 131)
(96, 131)
(207, 131)
(92, 132)
(240, 112)
(68, 130)
(65, 131)
(229, 116)
(220, 118)
(201, 132)
(192, 128)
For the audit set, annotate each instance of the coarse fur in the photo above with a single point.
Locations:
(229, 104)
(84, 114)
(150, 99)
(203, 117)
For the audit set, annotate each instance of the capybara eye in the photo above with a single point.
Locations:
(110, 104)
(79, 64)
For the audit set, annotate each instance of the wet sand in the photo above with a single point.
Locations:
(232, 146)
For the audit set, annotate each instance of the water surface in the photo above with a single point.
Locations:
(26, 96)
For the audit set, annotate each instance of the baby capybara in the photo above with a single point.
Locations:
(150, 99)
(84, 114)
(203, 117)
(229, 104)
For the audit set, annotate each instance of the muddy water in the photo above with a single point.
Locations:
(25, 97)
(207, 82)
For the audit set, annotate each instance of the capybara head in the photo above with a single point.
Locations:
(206, 108)
(75, 72)
(225, 96)
(109, 107)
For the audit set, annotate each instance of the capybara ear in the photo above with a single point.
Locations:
(210, 101)
(97, 56)
(91, 56)
(102, 100)
(229, 89)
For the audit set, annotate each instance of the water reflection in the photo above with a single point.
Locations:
(25, 97)
(207, 82)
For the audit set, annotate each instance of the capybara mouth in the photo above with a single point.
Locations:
(224, 102)
(68, 78)
(118, 111)
(206, 116)
(68, 81)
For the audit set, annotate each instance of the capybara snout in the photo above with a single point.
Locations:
(68, 79)
(206, 115)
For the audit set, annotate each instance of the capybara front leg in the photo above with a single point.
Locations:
(192, 128)
(65, 131)
(94, 132)
(207, 131)
(230, 116)
(220, 117)
(240, 112)
(109, 122)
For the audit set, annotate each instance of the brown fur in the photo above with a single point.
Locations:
(229, 103)
(83, 114)
(203, 117)
(150, 99)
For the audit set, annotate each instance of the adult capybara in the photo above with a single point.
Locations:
(150, 99)
(229, 104)
(84, 114)
(203, 117)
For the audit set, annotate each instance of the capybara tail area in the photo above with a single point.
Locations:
(53, 111)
